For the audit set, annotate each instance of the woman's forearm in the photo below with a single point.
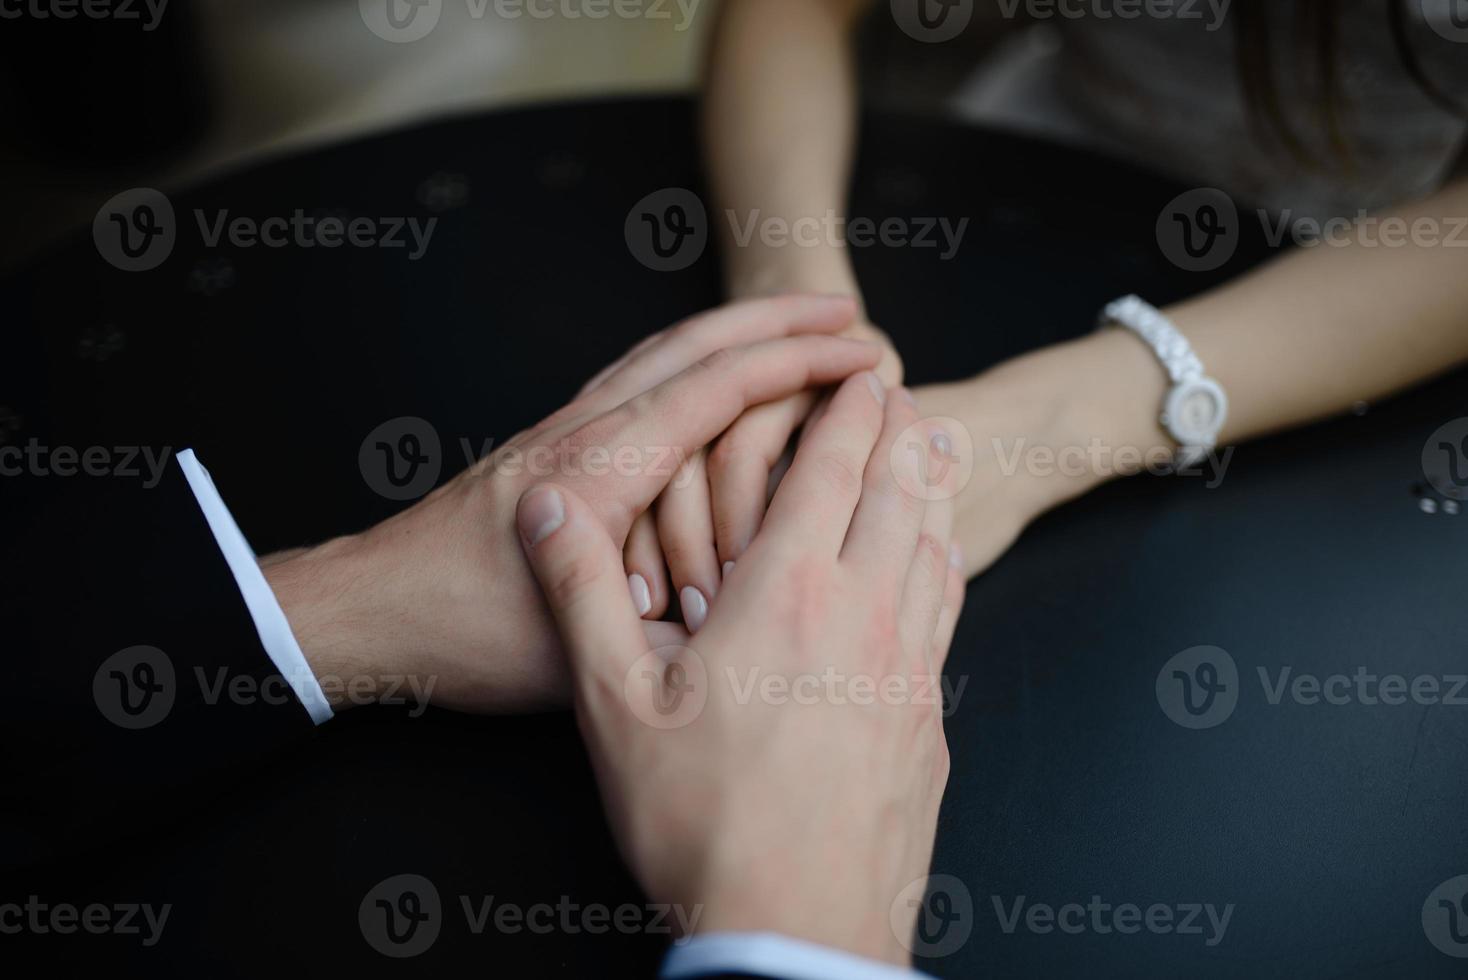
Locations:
(778, 129)
(1302, 338)
(1327, 326)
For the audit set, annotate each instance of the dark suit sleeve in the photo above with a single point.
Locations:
(134, 671)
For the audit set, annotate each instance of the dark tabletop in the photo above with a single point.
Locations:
(1326, 827)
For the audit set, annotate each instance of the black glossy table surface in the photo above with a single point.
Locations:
(1324, 826)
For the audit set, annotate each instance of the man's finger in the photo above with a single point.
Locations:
(885, 529)
(646, 440)
(739, 468)
(927, 574)
(579, 568)
(814, 504)
(733, 325)
(954, 591)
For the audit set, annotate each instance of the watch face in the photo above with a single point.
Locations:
(1195, 411)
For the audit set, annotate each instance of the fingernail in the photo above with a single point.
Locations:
(695, 607)
(907, 396)
(541, 512)
(728, 567)
(955, 555)
(942, 445)
(641, 595)
(878, 392)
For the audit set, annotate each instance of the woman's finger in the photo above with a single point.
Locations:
(647, 579)
(685, 529)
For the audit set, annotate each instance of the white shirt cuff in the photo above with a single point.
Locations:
(270, 622)
(769, 954)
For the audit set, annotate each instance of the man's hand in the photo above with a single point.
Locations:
(442, 593)
(809, 812)
(707, 517)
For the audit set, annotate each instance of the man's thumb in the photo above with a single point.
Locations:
(580, 571)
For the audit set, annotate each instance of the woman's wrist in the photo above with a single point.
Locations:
(1047, 427)
(756, 271)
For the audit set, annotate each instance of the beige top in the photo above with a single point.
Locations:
(1166, 92)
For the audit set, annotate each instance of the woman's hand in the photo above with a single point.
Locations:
(806, 813)
(442, 592)
(706, 518)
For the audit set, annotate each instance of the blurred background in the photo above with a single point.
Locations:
(219, 82)
(89, 106)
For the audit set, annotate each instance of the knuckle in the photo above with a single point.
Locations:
(602, 430)
(716, 361)
(839, 472)
(933, 555)
(727, 526)
(571, 582)
(728, 452)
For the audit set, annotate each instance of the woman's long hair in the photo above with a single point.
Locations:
(1315, 45)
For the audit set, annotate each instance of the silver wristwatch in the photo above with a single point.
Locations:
(1194, 410)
